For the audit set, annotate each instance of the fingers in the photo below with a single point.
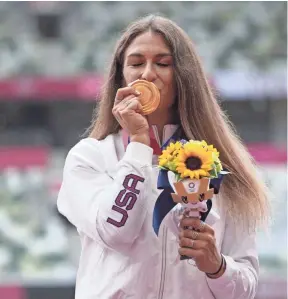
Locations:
(193, 244)
(120, 106)
(190, 252)
(128, 111)
(197, 225)
(194, 248)
(129, 105)
(125, 109)
(193, 235)
(122, 93)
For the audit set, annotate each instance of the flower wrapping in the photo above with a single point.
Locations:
(195, 173)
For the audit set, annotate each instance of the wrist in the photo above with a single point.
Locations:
(143, 138)
(220, 271)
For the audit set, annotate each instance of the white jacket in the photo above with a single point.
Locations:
(109, 195)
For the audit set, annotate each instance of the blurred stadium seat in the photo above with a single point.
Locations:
(228, 35)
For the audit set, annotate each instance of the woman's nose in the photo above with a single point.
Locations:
(149, 73)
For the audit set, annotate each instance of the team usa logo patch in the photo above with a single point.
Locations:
(126, 199)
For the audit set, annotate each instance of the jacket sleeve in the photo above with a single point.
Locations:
(108, 210)
(240, 279)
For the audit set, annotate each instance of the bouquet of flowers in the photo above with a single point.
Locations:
(193, 166)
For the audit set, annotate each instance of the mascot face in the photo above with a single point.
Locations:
(199, 202)
(192, 194)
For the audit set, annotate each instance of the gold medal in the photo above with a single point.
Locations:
(150, 95)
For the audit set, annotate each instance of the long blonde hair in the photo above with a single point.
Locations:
(200, 117)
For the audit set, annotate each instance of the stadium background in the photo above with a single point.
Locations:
(53, 57)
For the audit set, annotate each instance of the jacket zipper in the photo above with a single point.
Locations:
(163, 265)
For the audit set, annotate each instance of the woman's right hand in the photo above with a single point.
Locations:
(127, 110)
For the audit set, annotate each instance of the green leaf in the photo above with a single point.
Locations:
(213, 171)
(218, 167)
(178, 177)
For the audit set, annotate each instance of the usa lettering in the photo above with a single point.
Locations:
(126, 199)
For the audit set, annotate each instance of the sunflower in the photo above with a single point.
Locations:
(207, 147)
(168, 156)
(194, 160)
(215, 154)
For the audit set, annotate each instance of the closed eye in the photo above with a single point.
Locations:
(160, 64)
(136, 64)
(163, 64)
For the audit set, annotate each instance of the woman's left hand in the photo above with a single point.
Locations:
(200, 244)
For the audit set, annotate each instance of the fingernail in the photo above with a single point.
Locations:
(138, 92)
